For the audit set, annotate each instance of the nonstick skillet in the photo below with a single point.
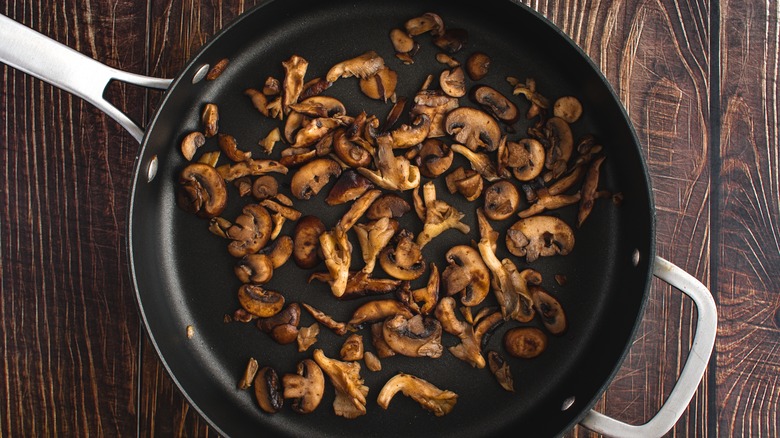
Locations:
(184, 277)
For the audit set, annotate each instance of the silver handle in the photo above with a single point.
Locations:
(65, 68)
(703, 342)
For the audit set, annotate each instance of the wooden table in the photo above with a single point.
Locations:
(699, 80)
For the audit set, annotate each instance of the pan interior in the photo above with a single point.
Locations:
(184, 275)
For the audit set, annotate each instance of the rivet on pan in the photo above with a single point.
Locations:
(567, 403)
(200, 73)
(635, 258)
(151, 171)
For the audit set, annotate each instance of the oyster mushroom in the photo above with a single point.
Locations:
(353, 152)
(357, 210)
(305, 388)
(337, 252)
(439, 217)
(307, 336)
(201, 191)
(315, 130)
(453, 82)
(312, 177)
(350, 186)
(229, 146)
(473, 127)
(477, 65)
(378, 341)
(402, 258)
(320, 106)
(545, 201)
(260, 302)
(588, 190)
(521, 283)
(539, 236)
(306, 243)
(433, 399)
(294, 71)
(525, 342)
(352, 349)
(417, 336)
(495, 103)
(268, 390)
(479, 162)
(338, 328)
(373, 237)
(250, 232)
(434, 158)
(425, 299)
(528, 89)
(230, 172)
(526, 158)
(501, 200)
(378, 310)
(283, 326)
(468, 350)
(259, 101)
(360, 284)
(427, 22)
(467, 274)
(393, 173)
(191, 143)
(351, 393)
(503, 287)
(388, 206)
(363, 66)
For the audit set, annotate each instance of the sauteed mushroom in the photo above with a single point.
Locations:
(202, 191)
(268, 390)
(388, 206)
(495, 103)
(402, 42)
(500, 369)
(210, 120)
(352, 153)
(312, 177)
(230, 172)
(550, 310)
(413, 337)
(474, 128)
(467, 274)
(428, 22)
(393, 173)
(434, 158)
(294, 71)
(351, 393)
(525, 342)
(373, 237)
(380, 86)
(501, 200)
(264, 187)
(453, 82)
(307, 336)
(539, 236)
(402, 258)
(568, 108)
(427, 395)
(378, 310)
(468, 350)
(283, 326)
(439, 217)
(260, 302)
(477, 65)
(348, 187)
(228, 145)
(250, 232)
(338, 328)
(306, 388)
(526, 158)
(363, 66)
(436, 105)
(306, 242)
(452, 40)
(352, 349)
(479, 162)
(191, 143)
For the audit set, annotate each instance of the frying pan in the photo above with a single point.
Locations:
(183, 275)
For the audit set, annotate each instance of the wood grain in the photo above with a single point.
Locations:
(748, 347)
(68, 322)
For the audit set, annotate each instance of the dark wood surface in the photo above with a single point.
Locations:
(699, 80)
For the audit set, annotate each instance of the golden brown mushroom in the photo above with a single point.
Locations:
(433, 399)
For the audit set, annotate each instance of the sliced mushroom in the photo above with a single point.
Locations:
(268, 390)
(378, 341)
(428, 22)
(545, 202)
(528, 89)
(588, 190)
(467, 274)
(452, 40)
(407, 136)
(250, 232)
(272, 86)
(500, 369)
(191, 143)
(210, 158)
(380, 86)
(306, 388)
(259, 101)
(306, 242)
(351, 393)
(436, 105)
(361, 284)
(202, 191)
(525, 342)
(320, 106)
(495, 103)
(402, 258)
(337, 252)
(378, 310)
(402, 42)
(250, 168)
(477, 66)
(307, 336)
(314, 87)
(479, 161)
(539, 236)
(260, 302)
(526, 158)
(219, 226)
(372, 362)
(315, 130)
(338, 328)
(264, 187)
(210, 120)
(413, 337)
(295, 157)
(474, 128)
(294, 71)
(357, 210)
(550, 310)
(228, 145)
(453, 82)
(470, 186)
(363, 66)
(393, 173)
(355, 153)
(283, 326)
(312, 177)
(468, 350)
(254, 268)
(501, 200)
(434, 158)
(433, 399)
(352, 349)
(561, 143)
(425, 299)
(439, 217)
(388, 206)
(249, 374)
(568, 108)
(521, 283)
(373, 237)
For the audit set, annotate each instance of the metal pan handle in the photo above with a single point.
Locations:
(65, 68)
(703, 342)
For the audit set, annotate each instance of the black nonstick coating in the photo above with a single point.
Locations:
(184, 275)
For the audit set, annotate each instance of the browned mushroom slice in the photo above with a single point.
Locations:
(337, 252)
(249, 374)
(254, 268)
(354, 153)
(250, 167)
(306, 388)
(474, 128)
(268, 390)
(452, 40)
(525, 342)
(229, 145)
(479, 162)
(453, 82)
(372, 362)
(521, 283)
(269, 141)
(361, 284)
(393, 173)
(478, 65)
(357, 210)
(501, 200)
(439, 217)
(470, 186)
(287, 212)
(402, 258)
(427, 22)
(202, 190)
(447, 60)
(468, 350)
(373, 237)
(436, 105)
(502, 284)
(315, 130)
(378, 310)
(260, 302)
(550, 310)
(434, 158)
(378, 341)
(526, 158)
(348, 187)
(539, 236)
(407, 136)
(568, 108)
(210, 158)
(320, 106)
(380, 86)
(250, 232)
(495, 103)
(283, 326)
(484, 325)
(588, 190)
(312, 177)
(217, 69)
(413, 337)
(352, 349)
(306, 242)
(363, 66)
(338, 328)
(528, 89)
(307, 336)
(294, 71)
(191, 143)
(351, 393)
(272, 86)
(402, 42)
(210, 120)
(259, 101)
(500, 369)
(546, 202)
(219, 226)
(265, 187)
(295, 157)
(561, 143)
(433, 399)
(388, 206)
(466, 274)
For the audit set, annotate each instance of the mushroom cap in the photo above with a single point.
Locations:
(260, 302)
(501, 200)
(351, 152)
(526, 158)
(453, 82)
(348, 187)
(313, 176)
(413, 337)
(467, 274)
(306, 241)
(474, 128)
(306, 388)
(404, 260)
(251, 231)
(568, 108)
(477, 65)
(537, 236)
(202, 190)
